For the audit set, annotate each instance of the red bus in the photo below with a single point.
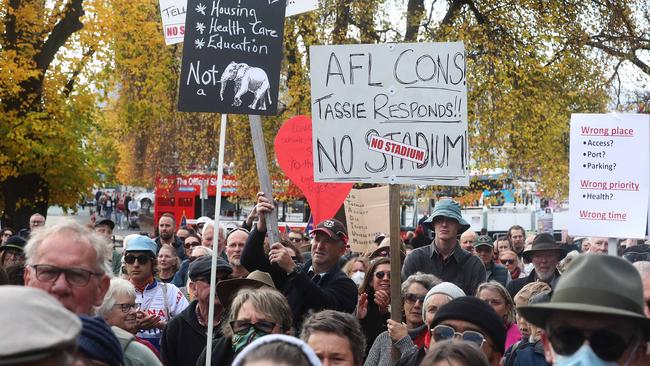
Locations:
(181, 195)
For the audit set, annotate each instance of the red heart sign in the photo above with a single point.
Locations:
(293, 149)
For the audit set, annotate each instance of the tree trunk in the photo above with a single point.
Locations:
(414, 13)
(342, 21)
(24, 196)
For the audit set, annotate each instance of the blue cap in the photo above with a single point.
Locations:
(142, 243)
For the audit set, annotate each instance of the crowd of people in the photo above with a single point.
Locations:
(70, 298)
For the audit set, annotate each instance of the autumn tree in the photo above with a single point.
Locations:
(47, 106)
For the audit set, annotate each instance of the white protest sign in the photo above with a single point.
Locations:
(411, 96)
(295, 7)
(609, 175)
(173, 20)
(367, 215)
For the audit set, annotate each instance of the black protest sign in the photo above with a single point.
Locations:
(231, 56)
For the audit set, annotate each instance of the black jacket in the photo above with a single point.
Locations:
(516, 285)
(222, 353)
(334, 290)
(184, 338)
(178, 245)
(374, 323)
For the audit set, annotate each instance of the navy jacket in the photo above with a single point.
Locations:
(334, 290)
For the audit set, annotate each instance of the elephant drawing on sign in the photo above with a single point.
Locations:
(247, 79)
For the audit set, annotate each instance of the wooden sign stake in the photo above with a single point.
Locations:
(395, 253)
(261, 161)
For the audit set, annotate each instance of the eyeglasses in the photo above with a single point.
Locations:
(508, 261)
(381, 274)
(413, 298)
(607, 345)
(78, 277)
(126, 307)
(242, 326)
(142, 259)
(295, 240)
(444, 332)
(191, 244)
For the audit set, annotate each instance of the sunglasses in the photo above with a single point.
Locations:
(508, 261)
(413, 298)
(381, 274)
(607, 345)
(444, 332)
(242, 326)
(295, 240)
(142, 259)
(191, 244)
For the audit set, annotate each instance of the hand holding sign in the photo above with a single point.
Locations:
(293, 148)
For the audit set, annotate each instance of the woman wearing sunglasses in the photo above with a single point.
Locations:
(253, 314)
(412, 332)
(374, 298)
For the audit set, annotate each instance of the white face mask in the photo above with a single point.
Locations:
(585, 356)
(358, 277)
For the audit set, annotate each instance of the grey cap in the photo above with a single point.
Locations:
(202, 266)
(34, 325)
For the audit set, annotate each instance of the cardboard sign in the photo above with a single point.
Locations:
(609, 175)
(295, 7)
(231, 56)
(412, 96)
(172, 13)
(293, 151)
(367, 215)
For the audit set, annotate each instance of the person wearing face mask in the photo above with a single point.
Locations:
(595, 315)
(356, 269)
(253, 314)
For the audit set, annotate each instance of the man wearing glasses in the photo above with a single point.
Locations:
(466, 319)
(595, 316)
(71, 263)
(159, 301)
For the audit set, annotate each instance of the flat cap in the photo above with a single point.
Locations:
(202, 265)
(34, 325)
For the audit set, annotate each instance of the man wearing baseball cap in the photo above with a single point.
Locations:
(444, 257)
(484, 247)
(318, 284)
(595, 316)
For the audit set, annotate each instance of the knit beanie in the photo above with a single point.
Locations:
(445, 288)
(477, 312)
(98, 342)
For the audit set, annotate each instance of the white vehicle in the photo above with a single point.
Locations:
(145, 199)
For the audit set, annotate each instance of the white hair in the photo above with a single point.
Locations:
(643, 267)
(118, 287)
(207, 250)
(74, 231)
(210, 225)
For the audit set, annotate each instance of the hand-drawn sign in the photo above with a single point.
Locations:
(293, 150)
(232, 53)
(411, 96)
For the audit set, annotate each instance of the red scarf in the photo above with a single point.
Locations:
(515, 274)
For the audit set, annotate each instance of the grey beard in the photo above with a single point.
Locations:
(235, 262)
(545, 276)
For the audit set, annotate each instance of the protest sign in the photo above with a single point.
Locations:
(231, 57)
(172, 13)
(410, 98)
(609, 175)
(293, 150)
(295, 7)
(366, 212)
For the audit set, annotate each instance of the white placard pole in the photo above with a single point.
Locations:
(215, 240)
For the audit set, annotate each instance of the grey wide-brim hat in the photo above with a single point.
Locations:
(447, 208)
(544, 242)
(595, 284)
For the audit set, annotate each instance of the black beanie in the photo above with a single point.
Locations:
(98, 342)
(477, 312)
